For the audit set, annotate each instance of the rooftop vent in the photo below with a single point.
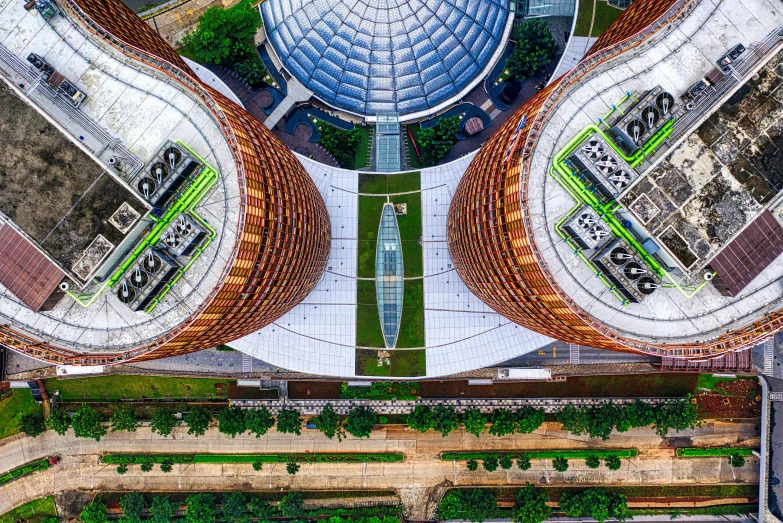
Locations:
(587, 229)
(629, 274)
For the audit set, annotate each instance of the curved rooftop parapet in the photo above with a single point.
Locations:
(508, 212)
(267, 226)
(374, 56)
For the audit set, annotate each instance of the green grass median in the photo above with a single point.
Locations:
(540, 454)
(696, 452)
(117, 459)
(27, 468)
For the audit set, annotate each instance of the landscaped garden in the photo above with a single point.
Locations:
(15, 405)
(37, 511)
(27, 468)
(131, 387)
(605, 15)
(138, 459)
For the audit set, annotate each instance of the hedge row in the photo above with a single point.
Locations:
(138, 459)
(27, 468)
(539, 454)
(695, 452)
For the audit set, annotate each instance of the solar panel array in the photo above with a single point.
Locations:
(370, 56)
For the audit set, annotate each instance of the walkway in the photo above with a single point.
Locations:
(414, 479)
(296, 93)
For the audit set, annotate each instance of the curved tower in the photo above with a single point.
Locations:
(577, 151)
(262, 233)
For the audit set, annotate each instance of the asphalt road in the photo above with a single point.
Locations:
(138, 4)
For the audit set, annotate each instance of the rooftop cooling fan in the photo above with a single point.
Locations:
(633, 271)
(664, 102)
(619, 256)
(636, 130)
(172, 156)
(159, 171)
(607, 164)
(151, 263)
(646, 285)
(598, 233)
(650, 116)
(593, 149)
(172, 240)
(586, 220)
(147, 187)
(183, 227)
(139, 278)
(125, 293)
(620, 179)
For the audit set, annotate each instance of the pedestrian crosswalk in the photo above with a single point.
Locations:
(247, 364)
(769, 347)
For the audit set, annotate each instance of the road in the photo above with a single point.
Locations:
(414, 479)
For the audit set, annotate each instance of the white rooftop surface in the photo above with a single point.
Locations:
(319, 335)
(141, 111)
(674, 59)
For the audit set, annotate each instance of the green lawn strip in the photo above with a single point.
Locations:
(406, 363)
(373, 183)
(716, 510)
(648, 491)
(310, 495)
(412, 259)
(365, 293)
(366, 258)
(697, 452)
(709, 381)
(362, 157)
(16, 405)
(404, 182)
(583, 18)
(118, 387)
(27, 468)
(370, 209)
(605, 15)
(410, 224)
(368, 326)
(35, 511)
(367, 363)
(412, 322)
(388, 457)
(401, 390)
(541, 454)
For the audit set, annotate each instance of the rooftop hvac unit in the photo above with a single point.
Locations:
(587, 229)
(623, 267)
(637, 124)
(170, 169)
(183, 236)
(146, 279)
(597, 162)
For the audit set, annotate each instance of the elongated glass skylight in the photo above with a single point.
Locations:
(389, 275)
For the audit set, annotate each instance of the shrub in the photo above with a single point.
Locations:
(737, 461)
(59, 421)
(490, 463)
(251, 70)
(201, 508)
(32, 425)
(231, 421)
(146, 467)
(233, 507)
(438, 140)
(450, 507)
(259, 421)
(165, 466)
(163, 421)
(613, 462)
(292, 467)
(124, 418)
(292, 505)
(505, 461)
(329, 422)
(258, 465)
(289, 422)
(534, 50)
(133, 506)
(560, 464)
(593, 461)
(94, 512)
(474, 421)
(445, 419)
(529, 419)
(161, 510)
(122, 469)
(360, 422)
(597, 503)
(340, 143)
(478, 504)
(421, 419)
(503, 422)
(381, 390)
(88, 424)
(197, 420)
(524, 462)
(260, 508)
(472, 465)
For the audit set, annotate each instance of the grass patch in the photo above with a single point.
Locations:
(540, 454)
(697, 452)
(412, 322)
(121, 387)
(401, 390)
(18, 404)
(717, 510)
(605, 15)
(583, 18)
(413, 160)
(366, 251)
(27, 468)
(410, 233)
(371, 183)
(36, 511)
(412, 260)
(370, 209)
(383, 457)
(367, 363)
(708, 381)
(401, 363)
(362, 156)
(368, 324)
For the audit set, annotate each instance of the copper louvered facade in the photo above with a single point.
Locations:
(284, 236)
(490, 232)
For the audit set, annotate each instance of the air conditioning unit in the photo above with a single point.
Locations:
(587, 229)
(167, 172)
(624, 268)
(146, 279)
(183, 236)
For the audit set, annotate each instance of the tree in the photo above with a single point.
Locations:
(560, 464)
(163, 421)
(161, 510)
(421, 419)
(505, 462)
(197, 420)
(260, 508)
(360, 421)
(94, 512)
(597, 503)
(601, 421)
(122, 468)
(593, 461)
(472, 465)
(530, 506)
(88, 424)
(259, 421)
(450, 507)
(258, 465)
(224, 36)
(329, 422)
(736, 461)
(251, 70)
(233, 507)
(32, 425)
(534, 50)
(474, 421)
(637, 414)
(436, 141)
(574, 420)
(490, 463)
(342, 144)
(678, 415)
(524, 462)
(59, 421)
(503, 422)
(292, 505)
(124, 418)
(613, 462)
(146, 466)
(529, 419)
(445, 419)
(292, 467)
(479, 504)
(166, 466)
(289, 422)
(133, 506)
(231, 421)
(201, 509)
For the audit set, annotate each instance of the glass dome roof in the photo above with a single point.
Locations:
(370, 56)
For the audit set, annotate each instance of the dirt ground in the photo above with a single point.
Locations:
(732, 399)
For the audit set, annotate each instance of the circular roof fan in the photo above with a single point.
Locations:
(607, 164)
(152, 263)
(619, 256)
(183, 227)
(664, 102)
(650, 116)
(125, 293)
(139, 278)
(646, 285)
(593, 149)
(586, 220)
(172, 240)
(620, 179)
(633, 271)
(172, 156)
(159, 171)
(147, 187)
(636, 130)
(597, 233)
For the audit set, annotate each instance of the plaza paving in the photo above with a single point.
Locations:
(416, 479)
